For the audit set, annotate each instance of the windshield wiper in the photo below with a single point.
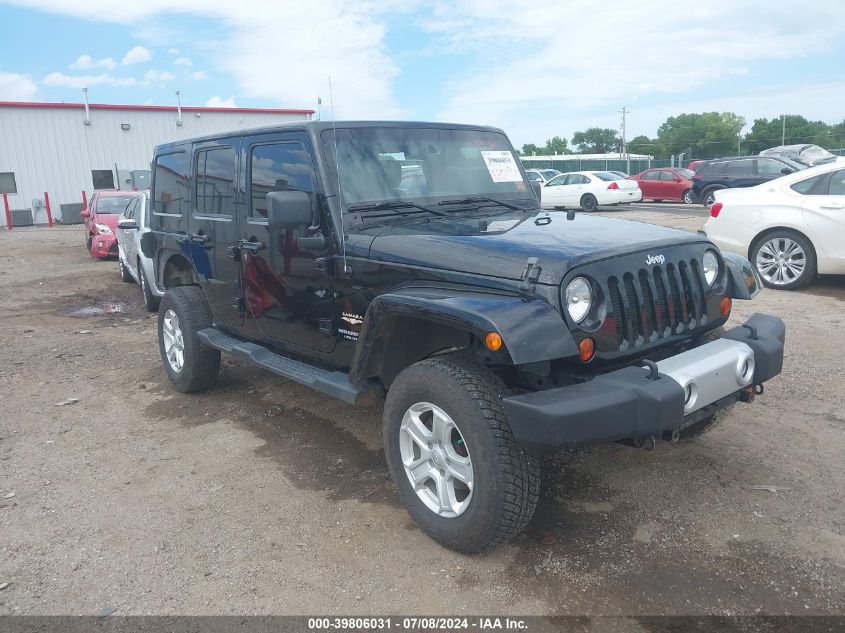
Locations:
(393, 204)
(473, 199)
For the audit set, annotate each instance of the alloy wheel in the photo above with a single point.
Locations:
(781, 261)
(174, 343)
(436, 459)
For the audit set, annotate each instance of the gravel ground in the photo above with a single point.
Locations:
(261, 496)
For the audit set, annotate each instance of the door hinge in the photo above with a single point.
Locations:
(530, 275)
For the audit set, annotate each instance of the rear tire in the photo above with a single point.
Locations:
(505, 478)
(88, 240)
(688, 198)
(124, 272)
(190, 365)
(798, 259)
(151, 302)
(589, 202)
(708, 196)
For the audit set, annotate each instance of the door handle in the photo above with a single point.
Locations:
(831, 206)
(245, 245)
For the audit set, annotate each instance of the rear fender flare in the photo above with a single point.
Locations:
(532, 331)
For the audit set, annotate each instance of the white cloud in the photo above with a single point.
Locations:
(183, 61)
(217, 102)
(85, 81)
(557, 76)
(136, 55)
(15, 87)
(198, 75)
(173, 51)
(156, 75)
(86, 62)
(304, 43)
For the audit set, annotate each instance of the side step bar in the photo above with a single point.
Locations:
(332, 383)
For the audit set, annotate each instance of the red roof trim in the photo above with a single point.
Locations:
(110, 106)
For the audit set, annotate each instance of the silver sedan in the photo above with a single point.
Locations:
(134, 265)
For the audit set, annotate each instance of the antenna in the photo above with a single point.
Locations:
(346, 270)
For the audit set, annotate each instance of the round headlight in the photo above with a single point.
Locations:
(711, 267)
(578, 296)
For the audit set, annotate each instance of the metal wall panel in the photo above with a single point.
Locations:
(52, 150)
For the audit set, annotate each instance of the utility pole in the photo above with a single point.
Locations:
(624, 145)
(319, 103)
(783, 133)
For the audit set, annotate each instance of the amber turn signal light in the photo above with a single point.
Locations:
(586, 350)
(725, 306)
(493, 341)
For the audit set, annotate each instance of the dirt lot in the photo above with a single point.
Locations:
(264, 497)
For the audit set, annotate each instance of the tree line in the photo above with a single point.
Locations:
(703, 135)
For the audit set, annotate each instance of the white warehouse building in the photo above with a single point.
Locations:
(63, 149)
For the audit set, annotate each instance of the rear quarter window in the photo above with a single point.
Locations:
(170, 193)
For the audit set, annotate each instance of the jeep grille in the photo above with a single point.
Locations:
(657, 302)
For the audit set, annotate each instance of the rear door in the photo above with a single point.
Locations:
(824, 213)
(214, 226)
(650, 184)
(286, 288)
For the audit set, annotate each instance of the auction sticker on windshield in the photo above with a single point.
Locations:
(501, 166)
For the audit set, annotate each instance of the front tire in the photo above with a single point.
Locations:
(688, 198)
(589, 202)
(785, 259)
(444, 428)
(190, 365)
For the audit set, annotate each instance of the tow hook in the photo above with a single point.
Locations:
(645, 443)
(747, 394)
(672, 436)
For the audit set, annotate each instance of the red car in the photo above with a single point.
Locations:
(666, 183)
(100, 219)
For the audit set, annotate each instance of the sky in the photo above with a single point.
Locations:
(535, 68)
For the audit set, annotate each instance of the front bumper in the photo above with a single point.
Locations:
(103, 246)
(635, 403)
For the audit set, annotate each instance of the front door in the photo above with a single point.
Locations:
(214, 227)
(286, 286)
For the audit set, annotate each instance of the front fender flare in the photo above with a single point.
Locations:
(532, 331)
(745, 282)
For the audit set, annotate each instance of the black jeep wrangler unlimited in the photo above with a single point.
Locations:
(412, 261)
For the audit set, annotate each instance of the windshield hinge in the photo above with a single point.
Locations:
(530, 275)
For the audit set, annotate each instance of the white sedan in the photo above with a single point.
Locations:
(588, 190)
(790, 228)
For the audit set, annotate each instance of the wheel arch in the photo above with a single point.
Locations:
(408, 325)
(774, 229)
(176, 270)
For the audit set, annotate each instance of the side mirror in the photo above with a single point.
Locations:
(676, 179)
(127, 224)
(289, 208)
(786, 170)
(85, 214)
(536, 186)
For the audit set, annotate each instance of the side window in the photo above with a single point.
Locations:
(276, 167)
(652, 175)
(741, 169)
(667, 175)
(129, 214)
(806, 185)
(557, 180)
(170, 186)
(215, 181)
(837, 183)
(767, 167)
(580, 179)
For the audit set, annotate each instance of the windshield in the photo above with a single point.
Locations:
(113, 204)
(393, 163)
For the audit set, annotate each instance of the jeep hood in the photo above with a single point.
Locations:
(499, 246)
